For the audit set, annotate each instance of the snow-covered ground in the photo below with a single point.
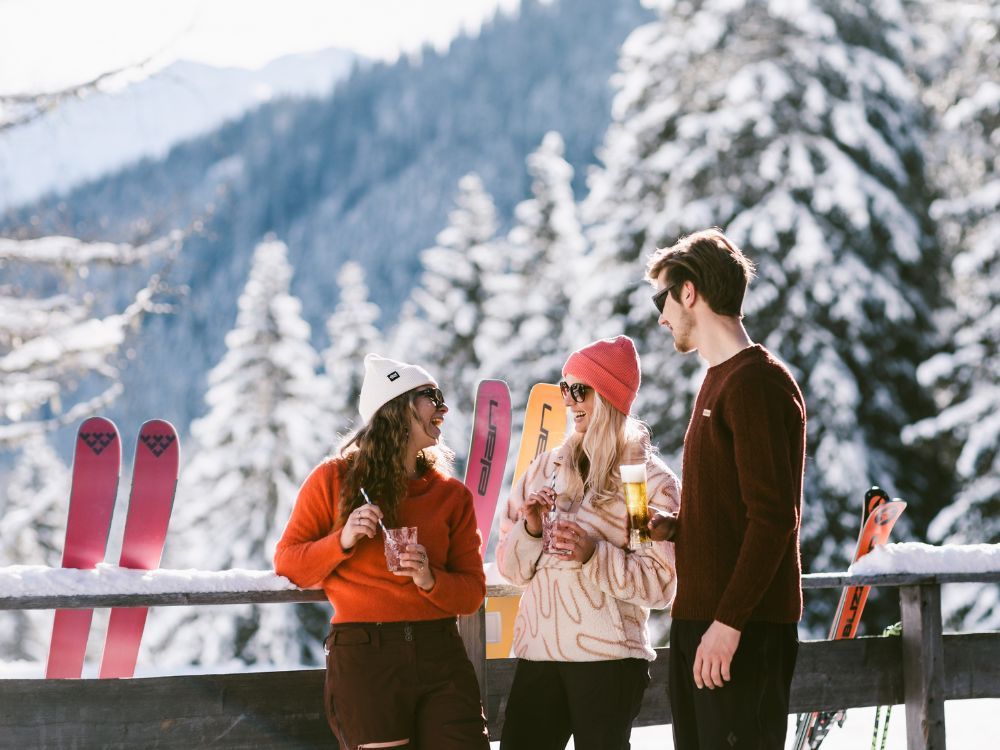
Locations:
(969, 724)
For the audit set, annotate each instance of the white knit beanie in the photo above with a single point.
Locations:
(384, 380)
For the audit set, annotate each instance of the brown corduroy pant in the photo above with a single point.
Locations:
(403, 684)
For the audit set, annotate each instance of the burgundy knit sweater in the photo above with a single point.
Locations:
(737, 540)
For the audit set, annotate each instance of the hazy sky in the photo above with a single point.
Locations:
(48, 44)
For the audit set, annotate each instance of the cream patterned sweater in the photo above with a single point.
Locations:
(598, 610)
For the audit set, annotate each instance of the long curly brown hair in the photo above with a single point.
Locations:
(374, 458)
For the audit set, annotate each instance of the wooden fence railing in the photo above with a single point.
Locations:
(922, 670)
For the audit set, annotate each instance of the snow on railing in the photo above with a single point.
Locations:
(40, 587)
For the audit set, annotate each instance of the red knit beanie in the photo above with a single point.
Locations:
(611, 367)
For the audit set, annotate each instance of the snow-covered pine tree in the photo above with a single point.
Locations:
(50, 342)
(441, 324)
(528, 306)
(352, 333)
(33, 507)
(795, 128)
(261, 437)
(965, 93)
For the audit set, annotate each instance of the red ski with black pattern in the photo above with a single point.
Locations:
(154, 481)
(96, 467)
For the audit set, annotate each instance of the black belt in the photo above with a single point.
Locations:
(359, 633)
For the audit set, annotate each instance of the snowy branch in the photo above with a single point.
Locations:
(20, 109)
(70, 252)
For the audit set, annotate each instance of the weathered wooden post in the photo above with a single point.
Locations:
(472, 628)
(923, 667)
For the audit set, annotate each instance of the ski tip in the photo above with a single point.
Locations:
(158, 436)
(495, 382)
(97, 423)
(98, 434)
(158, 425)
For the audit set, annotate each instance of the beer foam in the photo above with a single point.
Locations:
(633, 472)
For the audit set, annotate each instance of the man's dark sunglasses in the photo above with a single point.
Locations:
(434, 395)
(578, 390)
(660, 298)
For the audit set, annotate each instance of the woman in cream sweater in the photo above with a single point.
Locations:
(580, 636)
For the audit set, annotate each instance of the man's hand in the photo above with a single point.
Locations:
(714, 655)
(663, 526)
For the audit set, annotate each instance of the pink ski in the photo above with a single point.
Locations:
(154, 479)
(488, 451)
(96, 466)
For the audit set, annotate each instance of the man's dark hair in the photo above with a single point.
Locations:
(709, 260)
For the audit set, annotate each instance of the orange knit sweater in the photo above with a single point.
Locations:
(358, 583)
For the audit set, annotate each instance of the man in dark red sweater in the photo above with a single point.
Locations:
(733, 639)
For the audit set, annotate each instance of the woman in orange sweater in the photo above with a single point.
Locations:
(397, 672)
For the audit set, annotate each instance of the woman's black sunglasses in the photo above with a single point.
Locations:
(578, 390)
(660, 298)
(434, 395)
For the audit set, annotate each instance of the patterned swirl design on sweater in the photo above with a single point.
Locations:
(592, 612)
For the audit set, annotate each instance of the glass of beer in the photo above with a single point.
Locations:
(634, 482)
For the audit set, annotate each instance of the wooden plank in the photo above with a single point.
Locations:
(923, 667)
(503, 589)
(97, 601)
(829, 675)
(264, 709)
(837, 580)
(284, 709)
(656, 700)
(972, 665)
(472, 628)
(144, 599)
(498, 682)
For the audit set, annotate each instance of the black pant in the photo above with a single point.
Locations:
(751, 711)
(387, 682)
(594, 701)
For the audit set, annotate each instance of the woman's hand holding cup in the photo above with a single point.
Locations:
(537, 503)
(413, 562)
(572, 541)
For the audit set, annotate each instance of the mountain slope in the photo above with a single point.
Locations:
(85, 139)
(367, 174)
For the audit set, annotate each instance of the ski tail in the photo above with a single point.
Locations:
(96, 466)
(154, 482)
(488, 451)
(881, 515)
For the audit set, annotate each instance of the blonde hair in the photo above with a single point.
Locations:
(612, 438)
(374, 458)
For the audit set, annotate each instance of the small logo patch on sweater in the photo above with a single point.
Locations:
(706, 412)
(393, 376)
